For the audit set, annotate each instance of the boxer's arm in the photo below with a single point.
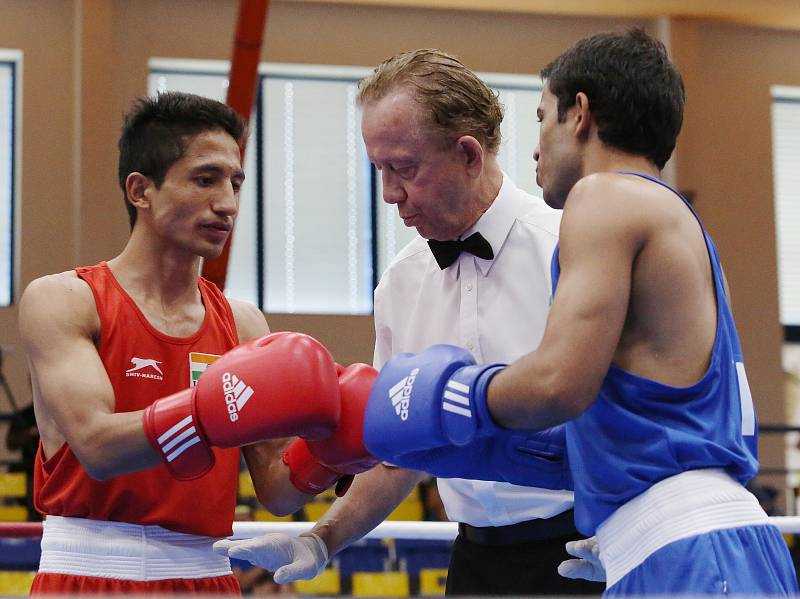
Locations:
(264, 460)
(600, 239)
(73, 395)
(270, 477)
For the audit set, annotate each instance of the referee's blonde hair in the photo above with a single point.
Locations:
(458, 101)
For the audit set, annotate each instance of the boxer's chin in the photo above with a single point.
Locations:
(210, 252)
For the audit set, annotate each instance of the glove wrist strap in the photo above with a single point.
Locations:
(465, 414)
(174, 433)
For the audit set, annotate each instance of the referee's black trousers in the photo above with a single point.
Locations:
(521, 568)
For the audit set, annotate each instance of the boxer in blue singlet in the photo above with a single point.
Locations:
(663, 483)
(640, 355)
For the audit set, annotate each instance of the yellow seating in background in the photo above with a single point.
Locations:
(328, 494)
(16, 584)
(327, 582)
(266, 516)
(13, 484)
(432, 581)
(246, 488)
(380, 584)
(410, 509)
(13, 513)
(315, 510)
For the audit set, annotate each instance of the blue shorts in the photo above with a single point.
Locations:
(751, 560)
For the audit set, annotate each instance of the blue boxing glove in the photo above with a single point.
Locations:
(428, 412)
(432, 399)
(537, 459)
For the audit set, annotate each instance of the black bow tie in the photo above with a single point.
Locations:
(446, 252)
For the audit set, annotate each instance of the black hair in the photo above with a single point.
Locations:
(635, 93)
(157, 130)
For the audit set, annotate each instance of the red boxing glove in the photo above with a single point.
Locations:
(314, 465)
(281, 385)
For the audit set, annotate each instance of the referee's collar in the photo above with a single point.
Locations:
(495, 225)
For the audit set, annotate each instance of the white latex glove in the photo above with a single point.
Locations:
(290, 558)
(588, 565)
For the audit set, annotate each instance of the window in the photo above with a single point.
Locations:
(315, 174)
(10, 61)
(786, 176)
(313, 234)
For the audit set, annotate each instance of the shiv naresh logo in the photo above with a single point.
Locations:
(144, 368)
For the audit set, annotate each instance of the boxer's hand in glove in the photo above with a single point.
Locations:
(290, 558)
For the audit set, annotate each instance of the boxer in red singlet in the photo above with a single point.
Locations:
(128, 508)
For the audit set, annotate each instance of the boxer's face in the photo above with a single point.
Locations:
(197, 203)
(558, 163)
(426, 179)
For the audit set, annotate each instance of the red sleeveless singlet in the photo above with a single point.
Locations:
(143, 365)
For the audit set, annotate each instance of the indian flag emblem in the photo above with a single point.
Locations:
(197, 365)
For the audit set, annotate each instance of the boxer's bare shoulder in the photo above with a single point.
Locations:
(59, 326)
(250, 321)
(57, 302)
(613, 201)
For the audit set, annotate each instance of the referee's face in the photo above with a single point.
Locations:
(423, 173)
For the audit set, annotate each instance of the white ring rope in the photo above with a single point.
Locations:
(429, 531)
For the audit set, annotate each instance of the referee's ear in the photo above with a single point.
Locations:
(473, 154)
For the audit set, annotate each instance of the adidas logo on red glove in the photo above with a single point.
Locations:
(237, 392)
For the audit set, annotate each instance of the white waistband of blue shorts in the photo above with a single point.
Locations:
(126, 551)
(679, 507)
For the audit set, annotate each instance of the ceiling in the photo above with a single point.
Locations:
(782, 14)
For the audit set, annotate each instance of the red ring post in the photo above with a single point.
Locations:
(241, 97)
(20, 529)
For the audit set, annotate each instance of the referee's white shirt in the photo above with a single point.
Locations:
(494, 308)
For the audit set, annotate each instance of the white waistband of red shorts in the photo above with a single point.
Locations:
(682, 506)
(126, 551)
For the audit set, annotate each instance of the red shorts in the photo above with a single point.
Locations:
(69, 584)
